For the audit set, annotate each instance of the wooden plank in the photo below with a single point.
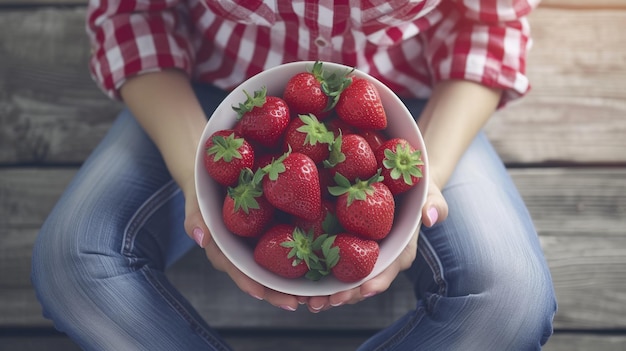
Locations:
(562, 201)
(50, 109)
(586, 342)
(580, 214)
(51, 112)
(584, 4)
(16, 3)
(311, 341)
(589, 277)
(575, 111)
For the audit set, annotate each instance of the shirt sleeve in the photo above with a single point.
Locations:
(130, 37)
(485, 41)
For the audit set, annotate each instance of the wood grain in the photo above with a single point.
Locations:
(262, 340)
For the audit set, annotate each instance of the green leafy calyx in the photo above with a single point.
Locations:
(360, 190)
(336, 156)
(258, 100)
(225, 148)
(247, 190)
(332, 84)
(315, 131)
(403, 163)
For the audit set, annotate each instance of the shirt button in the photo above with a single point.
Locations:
(321, 42)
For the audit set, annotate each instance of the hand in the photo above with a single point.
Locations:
(197, 230)
(434, 211)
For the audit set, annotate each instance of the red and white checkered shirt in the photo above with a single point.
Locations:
(407, 44)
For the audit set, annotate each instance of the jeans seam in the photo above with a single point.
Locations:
(194, 324)
(404, 331)
(428, 253)
(151, 205)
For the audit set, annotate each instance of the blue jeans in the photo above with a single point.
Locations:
(480, 277)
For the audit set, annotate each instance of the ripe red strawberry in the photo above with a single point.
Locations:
(326, 180)
(292, 185)
(339, 127)
(263, 118)
(308, 136)
(360, 106)
(357, 257)
(245, 211)
(325, 223)
(314, 92)
(365, 208)
(373, 137)
(351, 156)
(226, 155)
(401, 165)
(284, 250)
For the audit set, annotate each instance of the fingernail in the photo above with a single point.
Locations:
(432, 215)
(287, 308)
(370, 294)
(198, 235)
(336, 304)
(317, 308)
(257, 297)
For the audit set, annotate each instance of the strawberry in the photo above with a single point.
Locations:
(226, 155)
(351, 156)
(263, 118)
(360, 106)
(285, 250)
(365, 208)
(245, 211)
(292, 185)
(373, 137)
(307, 135)
(401, 165)
(357, 257)
(339, 127)
(326, 180)
(314, 92)
(325, 223)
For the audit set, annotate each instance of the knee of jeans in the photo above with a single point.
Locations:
(515, 296)
(65, 263)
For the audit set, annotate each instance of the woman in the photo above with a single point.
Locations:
(480, 277)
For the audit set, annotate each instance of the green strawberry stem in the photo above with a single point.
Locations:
(330, 256)
(403, 163)
(336, 156)
(331, 225)
(332, 84)
(258, 100)
(316, 132)
(277, 166)
(305, 247)
(247, 190)
(357, 191)
(302, 248)
(225, 148)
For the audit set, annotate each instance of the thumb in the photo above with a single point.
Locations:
(194, 223)
(435, 209)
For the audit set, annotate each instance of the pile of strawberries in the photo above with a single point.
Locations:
(310, 178)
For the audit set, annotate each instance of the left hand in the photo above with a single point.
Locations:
(435, 210)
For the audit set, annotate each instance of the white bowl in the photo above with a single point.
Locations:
(408, 208)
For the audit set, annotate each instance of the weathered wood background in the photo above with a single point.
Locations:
(565, 146)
